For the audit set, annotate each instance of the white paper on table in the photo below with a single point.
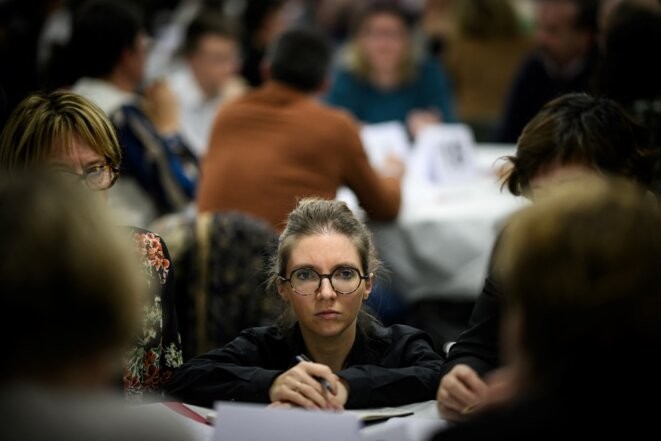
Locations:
(385, 139)
(251, 422)
(380, 414)
(403, 429)
(379, 141)
(346, 195)
(444, 154)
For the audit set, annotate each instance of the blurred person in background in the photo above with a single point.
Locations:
(262, 21)
(384, 78)
(482, 56)
(277, 143)
(630, 68)
(208, 78)
(159, 172)
(564, 60)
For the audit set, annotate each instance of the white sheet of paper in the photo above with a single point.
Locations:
(444, 154)
(251, 422)
(384, 139)
(403, 429)
(380, 414)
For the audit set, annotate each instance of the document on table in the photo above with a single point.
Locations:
(381, 414)
(385, 139)
(236, 422)
(402, 429)
(365, 415)
(251, 422)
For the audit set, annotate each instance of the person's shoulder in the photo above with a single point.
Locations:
(396, 332)
(346, 86)
(141, 232)
(404, 331)
(342, 75)
(532, 62)
(144, 239)
(267, 339)
(266, 333)
(334, 118)
(429, 65)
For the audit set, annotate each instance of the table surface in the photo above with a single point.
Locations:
(416, 427)
(440, 244)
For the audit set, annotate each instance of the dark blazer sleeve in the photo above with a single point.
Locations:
(477, 346)
(241, 371)
(408, 371)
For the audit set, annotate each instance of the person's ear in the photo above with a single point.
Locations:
(369, 284)
(281, 289)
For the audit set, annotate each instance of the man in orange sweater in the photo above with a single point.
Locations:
(278, 143)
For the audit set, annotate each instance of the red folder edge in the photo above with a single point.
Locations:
(186, 411)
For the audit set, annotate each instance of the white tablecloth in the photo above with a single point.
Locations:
(440, 245)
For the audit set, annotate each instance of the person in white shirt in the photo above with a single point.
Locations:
(207, 78)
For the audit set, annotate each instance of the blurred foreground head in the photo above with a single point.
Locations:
(580, 268)
(66, 280)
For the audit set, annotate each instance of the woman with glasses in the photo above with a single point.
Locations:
(66, 132)
(327, 351)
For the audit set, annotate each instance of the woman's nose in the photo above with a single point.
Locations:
(326, 289)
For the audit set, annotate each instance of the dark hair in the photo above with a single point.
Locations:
(207, 22)
(580, 267)
(102, 30)
(629, 71)
(369, 9)
(580, 129)
(587, 13)
(300, 58)
(254, 15)
(485, 19)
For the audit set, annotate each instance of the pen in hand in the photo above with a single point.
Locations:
(321, 380)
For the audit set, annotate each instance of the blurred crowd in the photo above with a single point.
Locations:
(185, 116)
(163, 71)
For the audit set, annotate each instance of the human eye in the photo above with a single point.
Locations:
(96, 170)
(345, 273)
(305, 274)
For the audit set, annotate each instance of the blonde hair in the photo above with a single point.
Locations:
(42, 122)
(353, 57)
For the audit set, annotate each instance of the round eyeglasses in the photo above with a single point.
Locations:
(306, 281)
(98, 177)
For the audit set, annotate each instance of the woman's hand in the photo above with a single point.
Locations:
(461, 390)
(299, 387)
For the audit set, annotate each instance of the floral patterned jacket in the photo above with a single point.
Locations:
(156, 351)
